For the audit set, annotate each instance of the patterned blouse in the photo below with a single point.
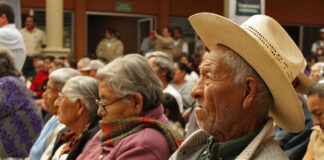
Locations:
(20, 118)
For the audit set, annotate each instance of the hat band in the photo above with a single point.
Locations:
(276, 56)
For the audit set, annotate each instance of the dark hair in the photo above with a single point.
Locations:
(170, 103)
(7, 64)
(5, 8)
(177, 28)
(317, 88)
(113, 31)
(51, 58)
(183, 67)
(32, 18)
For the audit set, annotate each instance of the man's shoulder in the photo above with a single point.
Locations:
(192, 147)
(269, 149)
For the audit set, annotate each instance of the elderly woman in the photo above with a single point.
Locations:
(20, 118)
(44, 143)
(77, 109)
(133, 125)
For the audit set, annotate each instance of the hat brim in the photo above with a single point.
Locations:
(214, 29)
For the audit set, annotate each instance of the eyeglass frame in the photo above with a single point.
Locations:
(103, 106)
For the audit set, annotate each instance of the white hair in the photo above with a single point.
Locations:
(62, 75)
(163, 61)
(242, 70)
(133, 74)
(85, 60)
(86, 88)
(317, 65)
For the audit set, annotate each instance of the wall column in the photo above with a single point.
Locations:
(54, 29)
(80, 29)
(164, 14)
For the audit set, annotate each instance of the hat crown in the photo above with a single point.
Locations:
(281, 48)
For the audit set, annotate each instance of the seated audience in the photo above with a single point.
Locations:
(181, 85)
(317, 70)
(77, 110)
(295, 144)
(192, 75)
(315, 103)
(38, 83)
(83, 62)
(44, 143)
(92, 68)
(56, 64)
(133, 125)
(171, 110)
(244, 89)
(164, 69)
(20, 118)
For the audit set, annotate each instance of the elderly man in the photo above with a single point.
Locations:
(163, 67)
(247, 76)
(10, 36)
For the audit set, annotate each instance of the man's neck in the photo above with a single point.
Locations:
(244, 127)
(30, 29)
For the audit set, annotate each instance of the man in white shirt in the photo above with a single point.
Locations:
(180, 45)
(10, 36)
(34, 38)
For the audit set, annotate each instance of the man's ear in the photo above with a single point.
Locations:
(250, 89)
(137, 103)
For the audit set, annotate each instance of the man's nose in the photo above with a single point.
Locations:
(197, 91)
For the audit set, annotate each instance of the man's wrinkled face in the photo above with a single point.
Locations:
(219, 99)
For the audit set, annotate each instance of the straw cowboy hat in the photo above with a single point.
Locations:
(265, 45)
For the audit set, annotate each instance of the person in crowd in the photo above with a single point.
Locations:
(10, 36)
(38, 66)
(317, 71)
(44, 144)
(77, 110)
(34, 38)
(163, 43)
(180, 46)
(295, 144)
(20, 118)
(83, 62)
(38, 83)
(192, 76)
(241, 89)
(133, 125)
(315, 103)
(318, 46)
(66, 61)
(171, 110)
(111, 46)
(92, 68)
(164, 69)
(56, 64)
(181, 85)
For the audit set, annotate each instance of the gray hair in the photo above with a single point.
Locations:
(133, 74)
(242, 70)
(84, 60)
(86, 88)
(62, 75)
(317, 88)
(163, 61)
(7, 63)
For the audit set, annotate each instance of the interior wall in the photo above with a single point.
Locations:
(125, 26)
(296, 11)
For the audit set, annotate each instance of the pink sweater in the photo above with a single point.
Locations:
(146, 144)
